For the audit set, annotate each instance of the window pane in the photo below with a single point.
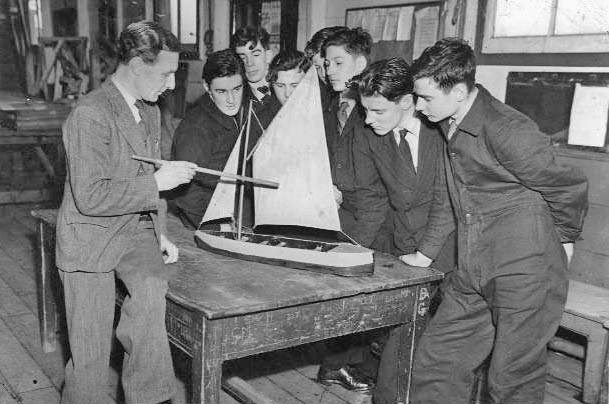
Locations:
(188, 21)
(522, 17)
(582, 17)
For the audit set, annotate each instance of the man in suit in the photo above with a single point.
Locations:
(518, 214)
(112, 222)
(209, 131)
(253, 47)
(395, 172)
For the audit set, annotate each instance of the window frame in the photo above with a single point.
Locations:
(575, 43)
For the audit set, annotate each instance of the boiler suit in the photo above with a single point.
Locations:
(514, 205)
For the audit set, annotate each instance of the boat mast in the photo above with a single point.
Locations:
(243, 153)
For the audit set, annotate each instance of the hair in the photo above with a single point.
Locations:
(223, 63)
(356, 42)
(287, 59)
(145, 39)
(448, 62)
(314, 45)
(248, 34)
(390, 78)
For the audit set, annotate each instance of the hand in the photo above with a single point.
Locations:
(338, 196)
(169, 250)
(416, 260)
(174, 173)
(569, 251)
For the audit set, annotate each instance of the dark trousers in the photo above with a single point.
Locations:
(505, 300)
(147, 374)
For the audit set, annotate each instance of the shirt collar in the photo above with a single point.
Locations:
(411, 123)
(128, 97)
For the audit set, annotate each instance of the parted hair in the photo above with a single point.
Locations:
(356, 41)
(314, 45)
(223, 63)
(145, 39)
(287, 59)
(448, 62)
(249, 34)
(390, 78)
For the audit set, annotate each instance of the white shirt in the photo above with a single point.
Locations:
(129, 99)
(413, 127)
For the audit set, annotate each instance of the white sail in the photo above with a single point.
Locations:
(293, 152)
(222, 203)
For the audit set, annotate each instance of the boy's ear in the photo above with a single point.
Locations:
(460, 91)
(406, 101)
(136, 64)
(360, 63)
(206, 86)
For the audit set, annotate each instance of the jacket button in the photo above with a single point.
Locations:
(452, 155)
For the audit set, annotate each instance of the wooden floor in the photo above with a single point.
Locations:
(29, 376)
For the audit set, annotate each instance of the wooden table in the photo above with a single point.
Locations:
(34, 139)
(221, 308)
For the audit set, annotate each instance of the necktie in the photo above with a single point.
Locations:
(404, 148)
(139, 104)
(452, 128)
(342, 114)
(263, 89)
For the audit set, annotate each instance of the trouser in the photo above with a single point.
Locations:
(504, 300)
(147, 373)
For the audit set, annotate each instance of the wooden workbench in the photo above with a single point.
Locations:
(52, 166)
(222, 308)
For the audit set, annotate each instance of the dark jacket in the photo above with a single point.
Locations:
(498, 161)
(206, 137)
(388, 187)
(340, 151)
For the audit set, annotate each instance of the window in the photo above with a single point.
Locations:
(546, 26)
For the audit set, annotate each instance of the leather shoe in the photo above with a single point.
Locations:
(351, 378)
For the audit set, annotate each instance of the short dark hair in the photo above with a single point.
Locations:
(145, 39)
(249, 34)
(287, 59)
(356, 41)
(314, 45)
(448, 62)
(390, 78)
(223, 63)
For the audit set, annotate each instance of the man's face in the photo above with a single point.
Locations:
(383, 115)
(256, 60)
(286, 83)
(342, 66)
(318, 62)
(227, 93)
(433, 102)
(151, 80)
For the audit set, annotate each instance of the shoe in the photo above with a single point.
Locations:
(351, 378)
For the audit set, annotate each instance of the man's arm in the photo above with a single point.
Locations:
(527, 153)
(441, 222)
(370, 193)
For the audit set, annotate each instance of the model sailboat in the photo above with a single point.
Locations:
(292, 152)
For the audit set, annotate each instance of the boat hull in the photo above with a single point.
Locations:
(343, 259)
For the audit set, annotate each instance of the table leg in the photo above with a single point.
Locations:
(46, 302)
(206, 365)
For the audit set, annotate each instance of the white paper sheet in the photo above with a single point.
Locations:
(588, 123)
(425, 29)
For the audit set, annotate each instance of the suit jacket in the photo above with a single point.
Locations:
(391, 196)
(106, 190)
